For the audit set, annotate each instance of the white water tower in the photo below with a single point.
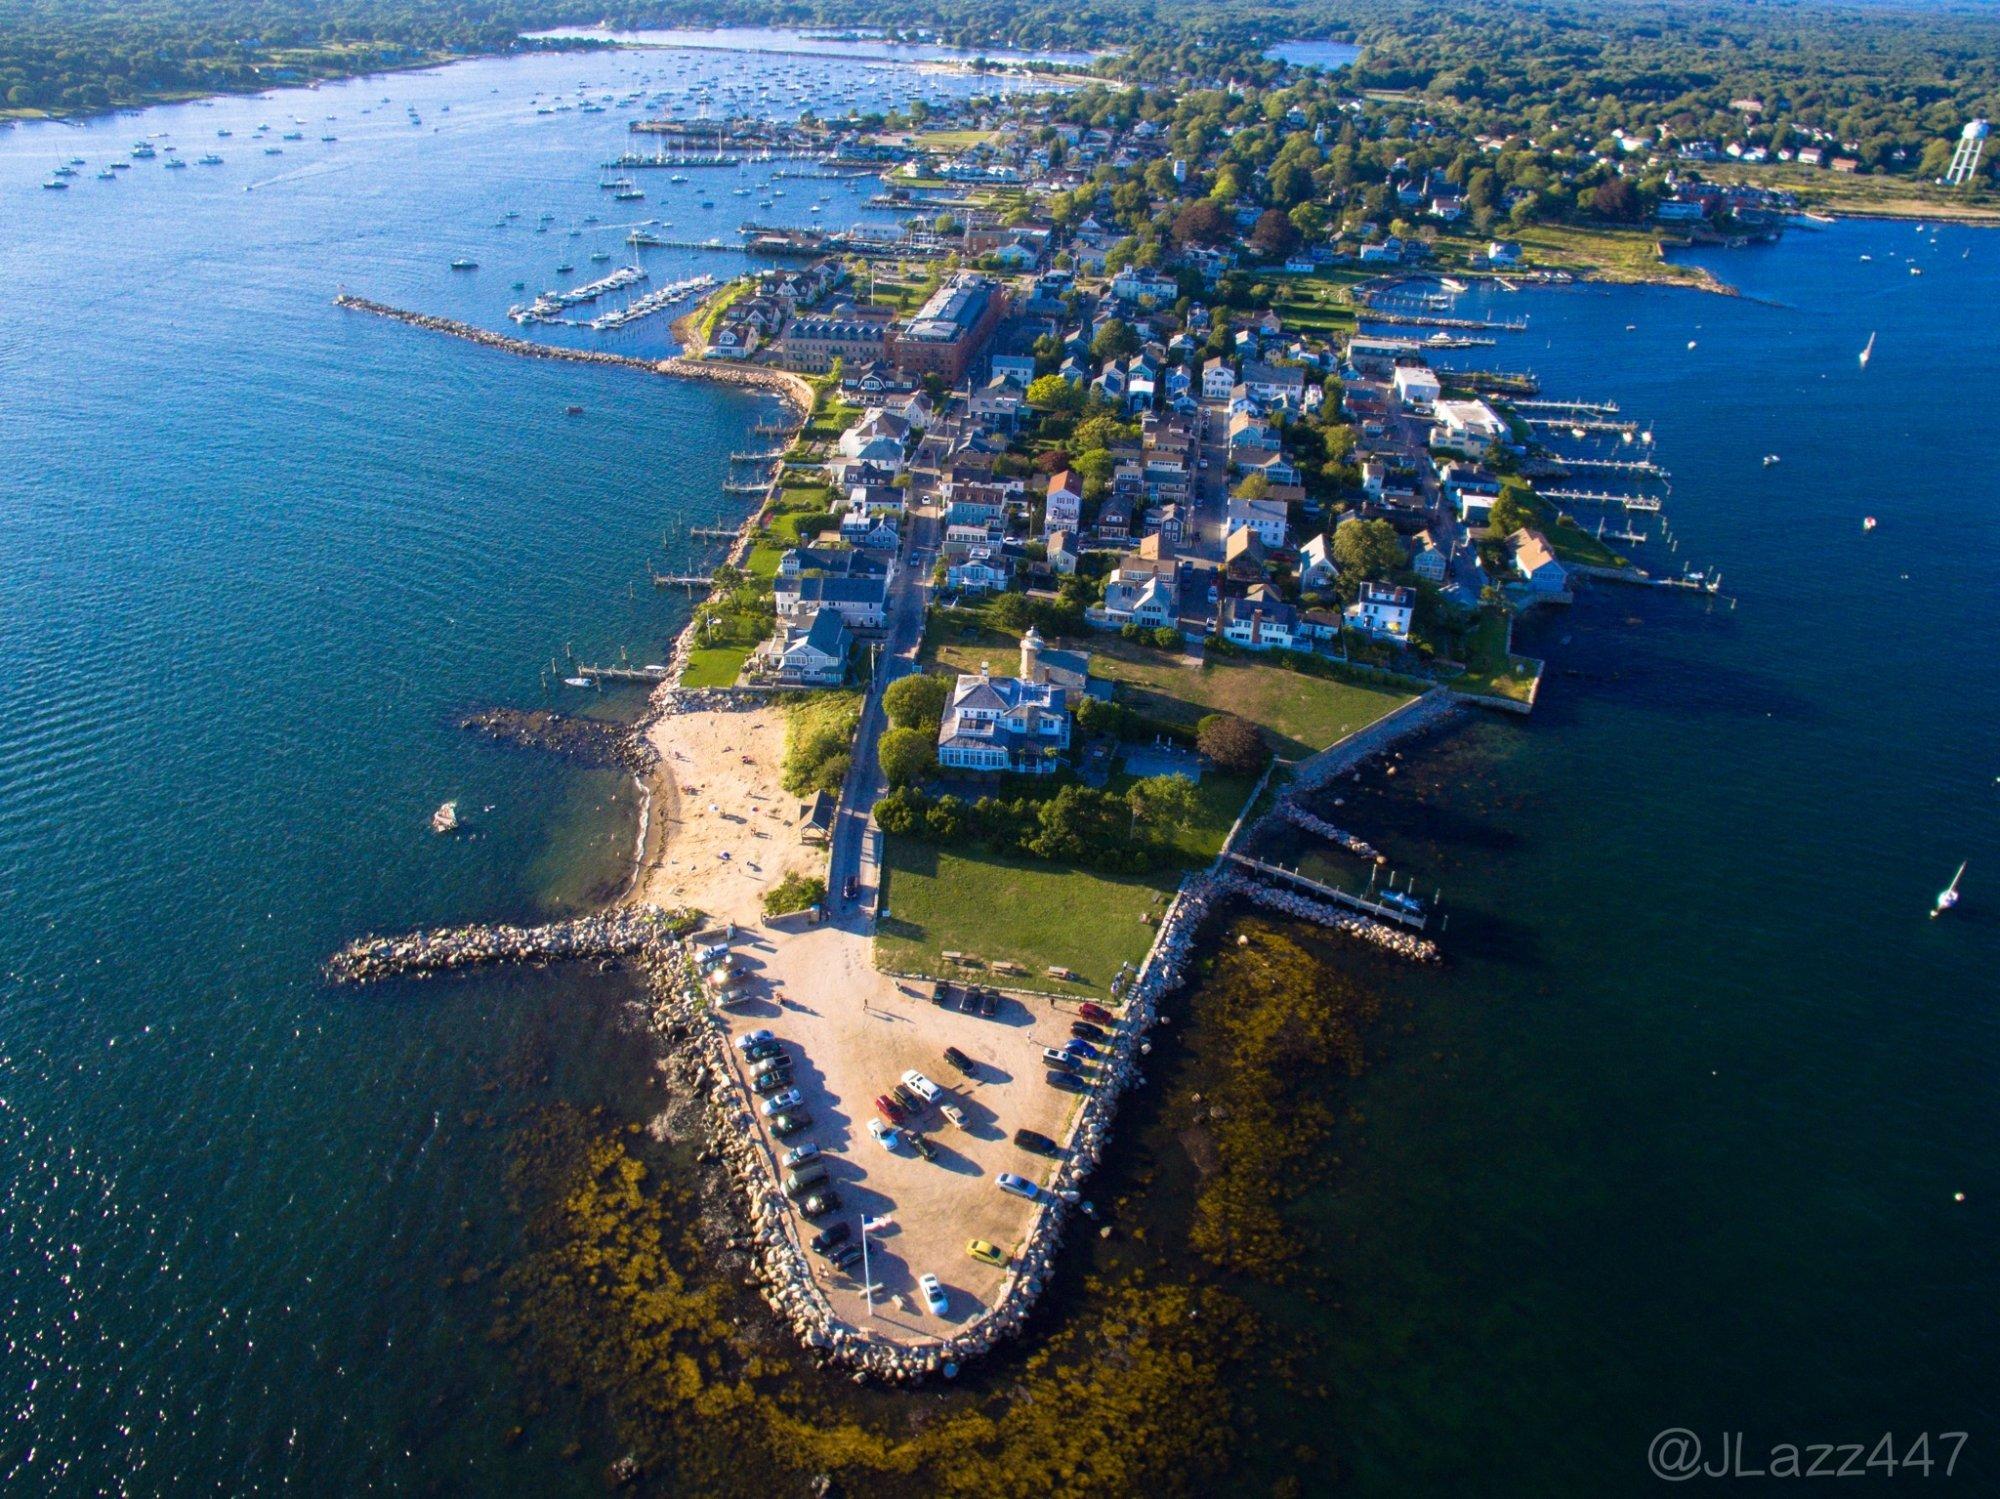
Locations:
(1965, 160)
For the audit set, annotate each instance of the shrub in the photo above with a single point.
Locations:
(794, 892)
(915, 702)
(907, 756)
(1229, 741)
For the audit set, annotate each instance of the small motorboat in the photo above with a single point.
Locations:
(1770, 459)
(1948, 897)
(572, 411)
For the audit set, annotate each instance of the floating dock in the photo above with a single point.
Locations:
(1319, 890)
(1646, 502)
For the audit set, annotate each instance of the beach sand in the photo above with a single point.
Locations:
(715, 792)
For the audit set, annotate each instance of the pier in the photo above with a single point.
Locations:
(678, 580)
(757, 488)
(771, 457)
(716, 533)
(1581, 424)
(624, 673)
(1381, 910)
(1370, 313)
(1578, 408)
(1644, 467)
(1646, 502)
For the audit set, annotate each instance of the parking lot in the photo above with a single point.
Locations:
(850, 1034)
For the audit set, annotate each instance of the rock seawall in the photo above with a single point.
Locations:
(609, 934)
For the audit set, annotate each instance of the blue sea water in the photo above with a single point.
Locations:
(255, 554)
(1672, 1141)
(1675, 1139)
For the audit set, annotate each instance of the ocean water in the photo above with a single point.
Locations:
(1674, 1140)
(255, 554)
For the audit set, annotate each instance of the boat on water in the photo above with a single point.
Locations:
(56, 185)
(445, 819)
(628, 195)
(210, 160)
(463, 264)
(572, 411)
(1948, 897)
(1916, 270)
(1867, 351)
(175, 163)
(1451, 284)
(107, 175)
(1867, 522)
(564, 269)
(143, 152)
(1770, 459)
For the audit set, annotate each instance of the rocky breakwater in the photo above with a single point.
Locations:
(585, 741)
(1335, 918)
(616, 933)
(1299, 817)
(1420, 713)
(794, 391)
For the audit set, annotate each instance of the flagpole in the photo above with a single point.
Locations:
(867, 1279)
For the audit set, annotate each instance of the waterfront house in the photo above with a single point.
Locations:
(861, 601)
(1383, 611)
(1535, 560)
(813, 654)
(1005, 724)
(1467, 426)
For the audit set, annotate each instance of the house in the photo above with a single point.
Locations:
(1429, 559)
(1469, 426)
(1218, 378)
(1501, 254)
(1260, 621)
(1383, 611)
(815, 654)
(1475, 506)
(1316, 567)
(1063, 554)
(1417, 387)
(878, 437)
(1243, 555)
(1266, 517)
(1005, 724)
(983, 571)
(861, 601)
(1275, 385)
(1133, 597)
(1535, 560)
(1063, 510)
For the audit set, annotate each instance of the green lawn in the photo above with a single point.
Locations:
(715, 665)
(1221, 796)
(1020, 910)
(1490, 670)
(1299, 714)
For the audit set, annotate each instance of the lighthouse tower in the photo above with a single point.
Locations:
(1965, 160)
(1031, 655)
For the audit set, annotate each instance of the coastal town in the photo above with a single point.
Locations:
(1075, 574)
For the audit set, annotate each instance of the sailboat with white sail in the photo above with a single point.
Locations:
(1866, 352)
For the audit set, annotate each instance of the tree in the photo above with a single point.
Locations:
(1510, 512)
(1367, 548)
(1617, 200)
(916, 701)
(1273, 236)
(1115, 340)
(1163, 803)
(1053, 393)
(907, 756)
(1201, 222)
(1230, 742)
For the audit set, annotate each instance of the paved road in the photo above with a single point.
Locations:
(897, 657)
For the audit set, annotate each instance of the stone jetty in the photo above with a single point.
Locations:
(794, 391)
(1335, 918)
(1299, 817)
(584, 741)
(615, 933)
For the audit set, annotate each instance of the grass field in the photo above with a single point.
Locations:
(1020, 910)
(1220, 798)
(1299, 714)
(1490, 670)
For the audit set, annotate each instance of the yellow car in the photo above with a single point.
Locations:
(985, 1253)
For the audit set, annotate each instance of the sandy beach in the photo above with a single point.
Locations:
(720, 829)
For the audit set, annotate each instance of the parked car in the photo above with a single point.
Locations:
(886, 1135)
(986, 1253)
(846, 1258)
(934, 1296)
(1056, 1078)
(969, 1000)
(759, 1051)
(770, 1065)
(1083, 1030)
(819, 1204)
(959, 1060)
(1060, 1059)
(830, 1237)
(891, 1110)
(799, 1178)
(798, 1155)
(989, 1003)
(751, 1038)
(923, 1147)
(908, 1099)
(945, 995)
(849, 888)
(790, 1123)
(1034, 1140)
(922, 1086)
(1098, 1013)
(777, 1103)
(1020, 1186)
(1079, 1048)
(954, 1114)
(771, 1082)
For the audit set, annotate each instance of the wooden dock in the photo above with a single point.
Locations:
(1578, 408)
(771, 457)
(1319, 890)
(1643, 467)
(623, 673)
(1581, 424)
(1646, 502)
(718, 533)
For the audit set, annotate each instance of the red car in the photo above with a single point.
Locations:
(890, 1109)
(1094, 1012)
